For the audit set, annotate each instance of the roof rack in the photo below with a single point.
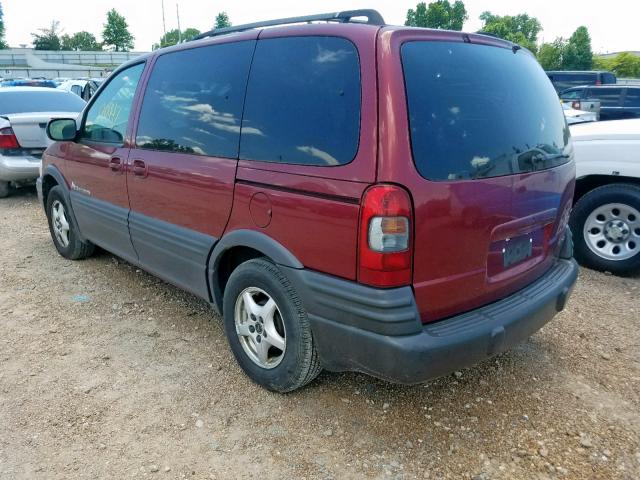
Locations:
(372, 16)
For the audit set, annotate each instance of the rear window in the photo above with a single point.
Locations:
(303, 102)
(633, 98)
(35, 101)
(477, 111)
(609, 97)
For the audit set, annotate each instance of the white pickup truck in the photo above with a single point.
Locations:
(605, 221)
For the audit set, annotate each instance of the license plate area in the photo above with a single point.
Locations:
(514, 255)
(516, 250)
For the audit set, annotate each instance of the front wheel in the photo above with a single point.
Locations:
(267, 327)
(64, 231)
(606, 228)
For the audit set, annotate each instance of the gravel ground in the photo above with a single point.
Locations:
(107, 372)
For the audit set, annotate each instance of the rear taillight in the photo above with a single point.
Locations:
(385, 244)
(598, 82)
(575, 105)
(8, 139)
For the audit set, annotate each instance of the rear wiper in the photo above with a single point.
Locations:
(548, 157)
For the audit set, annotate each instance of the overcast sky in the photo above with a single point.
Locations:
(613, 24)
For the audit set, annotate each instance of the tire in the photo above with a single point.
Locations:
(280, 369)
(606, 229)
(60, 221)
(4, 189)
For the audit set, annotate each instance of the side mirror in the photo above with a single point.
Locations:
(62, 129)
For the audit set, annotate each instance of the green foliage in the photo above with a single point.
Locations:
(48, 38)
(116, 32)
(521, 29)
(551, 55)
(172, 37)
(80, 41)
(439, 14)
(624, 65)
(572, 54)
(3, 44)
(578, 54)
(222, 20)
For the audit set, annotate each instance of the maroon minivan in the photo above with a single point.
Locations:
(349, 195)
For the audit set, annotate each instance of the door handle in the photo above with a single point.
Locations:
(115, 164)
(139, 168)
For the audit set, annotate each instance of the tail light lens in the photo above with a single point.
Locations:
(385, 252)
(575, 105)
(8, 139)
(598, 82)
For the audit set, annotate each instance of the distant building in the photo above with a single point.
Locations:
(29, 63)
(613, 54)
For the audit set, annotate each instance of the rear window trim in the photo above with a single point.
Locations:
(408, 112)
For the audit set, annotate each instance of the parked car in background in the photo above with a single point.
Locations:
(562, 80)
(617, 102)
(574, 116)
(24, 114)
(83, 88)
(280, 175)
(606, 217)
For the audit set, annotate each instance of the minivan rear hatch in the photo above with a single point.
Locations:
(494, 180)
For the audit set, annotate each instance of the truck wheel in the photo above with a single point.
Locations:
(606, 228)
(4, 189)
(268, 329)
(64, 231)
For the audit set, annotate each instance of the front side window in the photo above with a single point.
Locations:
(571, 95)
(108, 116)
(478, 111)
(303, 102)
(193, 101)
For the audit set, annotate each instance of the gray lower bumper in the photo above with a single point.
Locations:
(349, 322)
(14, 169)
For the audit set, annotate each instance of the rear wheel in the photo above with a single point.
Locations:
(64, 231)
(4, 189)
(606, 227)
(267, 327)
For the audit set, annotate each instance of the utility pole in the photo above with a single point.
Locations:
(179, 31)
(164, 25)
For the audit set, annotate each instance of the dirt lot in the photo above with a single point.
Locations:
(107, 372)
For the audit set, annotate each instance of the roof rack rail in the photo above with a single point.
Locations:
(372, 16)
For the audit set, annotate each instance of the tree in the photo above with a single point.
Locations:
(439, 14)
(624, 64)
(116, 32)
(222, 20)
(551, 55)
(172, 37)
(578, 54)
(3, 44)
(48, 38)
(80, 41)
(521, 29)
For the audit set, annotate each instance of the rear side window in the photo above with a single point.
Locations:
(571, 95)
(609, 97)
(608, 78)
(193, 101)
(303, 102)
(633, 98)
(477, 111)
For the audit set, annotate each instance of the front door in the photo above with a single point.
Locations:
(95, 165)
(182, 169)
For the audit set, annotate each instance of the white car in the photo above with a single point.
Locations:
(605, 221)
(574, 116)
(24, 115)
(83, 88)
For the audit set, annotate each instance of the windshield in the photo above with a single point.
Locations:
(479, 111)
(34, 101)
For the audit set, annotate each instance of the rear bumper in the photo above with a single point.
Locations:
(378, 332)
(13, 169)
